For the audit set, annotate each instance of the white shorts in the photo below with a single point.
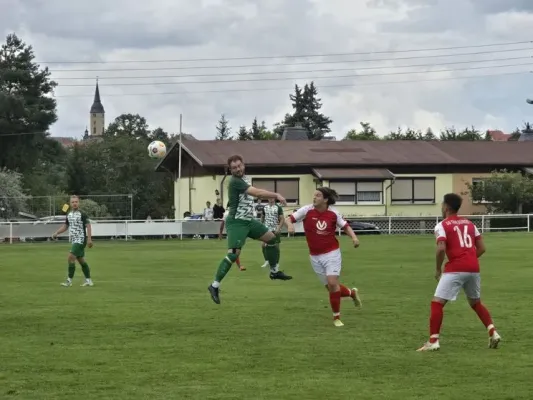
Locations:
(329, 264)
(451, 283)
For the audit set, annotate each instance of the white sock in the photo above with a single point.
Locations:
(274, 269)
(215, 284)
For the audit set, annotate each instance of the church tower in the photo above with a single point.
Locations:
(97, 115)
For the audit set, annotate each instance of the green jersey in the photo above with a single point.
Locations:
(272, 214)
(241, 204)
(77, 222)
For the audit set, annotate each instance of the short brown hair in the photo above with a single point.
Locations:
(234, 158)
(329, 194)
(453, 201)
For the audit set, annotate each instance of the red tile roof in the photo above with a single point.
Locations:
(499, 136)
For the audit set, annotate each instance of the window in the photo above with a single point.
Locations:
(413, 191)
(94, 130)
(478, 185)
(288, 188)
(358, 192)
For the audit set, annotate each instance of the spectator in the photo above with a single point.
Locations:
(218, 210)
(208, 212)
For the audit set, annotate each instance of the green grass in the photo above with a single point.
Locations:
(149, 330)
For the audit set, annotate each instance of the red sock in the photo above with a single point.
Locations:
(238, 261)
(335, 301)
(345, 292)
(484, 316)
(435, 320)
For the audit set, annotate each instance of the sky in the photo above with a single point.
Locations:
(480, 78)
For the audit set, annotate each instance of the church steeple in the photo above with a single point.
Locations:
(97, 114)
(97, 106)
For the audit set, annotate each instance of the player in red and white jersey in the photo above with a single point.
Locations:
(460, 241)
(320, 224)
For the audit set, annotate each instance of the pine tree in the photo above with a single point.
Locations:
(255, 131)
(223, 129)
(243, 133)
(25, 105)
(429, 135)
(306, 112)
(316, 123)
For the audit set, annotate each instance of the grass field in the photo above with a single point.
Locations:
(149, 330)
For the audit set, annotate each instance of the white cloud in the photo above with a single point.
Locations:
(62, 30)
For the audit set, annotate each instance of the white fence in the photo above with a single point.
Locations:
(38, 231)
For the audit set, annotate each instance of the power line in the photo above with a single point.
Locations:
(300, 72)
(297, 78)
(293, 55)
(291, 64)
(321, 86)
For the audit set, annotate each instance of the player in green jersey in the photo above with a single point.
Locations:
(79, 227)
(272, 216)
(241, 224)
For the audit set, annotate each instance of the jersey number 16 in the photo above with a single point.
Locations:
(465, 239)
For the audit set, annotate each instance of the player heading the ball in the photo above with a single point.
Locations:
(241, 224)
(460, 241)
(321, 223)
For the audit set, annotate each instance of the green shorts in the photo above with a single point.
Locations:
(239, 230)
(78, 250)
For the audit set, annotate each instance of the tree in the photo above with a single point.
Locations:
(266, 134)
(12, 196)
(504, 192)
(223, 129)
(429, 135)
(160, 134)
(243, 133)
(76, 172)
(306, 106)
(367, 133)
(48, 175)
(467, 134)
(128, 125)
(515, 135)
(255, 131)
(449, 134)
(120, 164)
(26, 109)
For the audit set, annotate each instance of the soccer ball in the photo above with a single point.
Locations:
(157, 149)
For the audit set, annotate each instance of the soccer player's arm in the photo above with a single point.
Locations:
(480, 244)
(440, 252)
(244, 187)
(87, 222)
(62, 228)
(297, 216)
(345, 226)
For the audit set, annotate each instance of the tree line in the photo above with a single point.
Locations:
(33, 163)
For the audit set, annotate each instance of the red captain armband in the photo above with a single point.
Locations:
(293, 220)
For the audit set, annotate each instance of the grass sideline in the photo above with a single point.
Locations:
(148, 328)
